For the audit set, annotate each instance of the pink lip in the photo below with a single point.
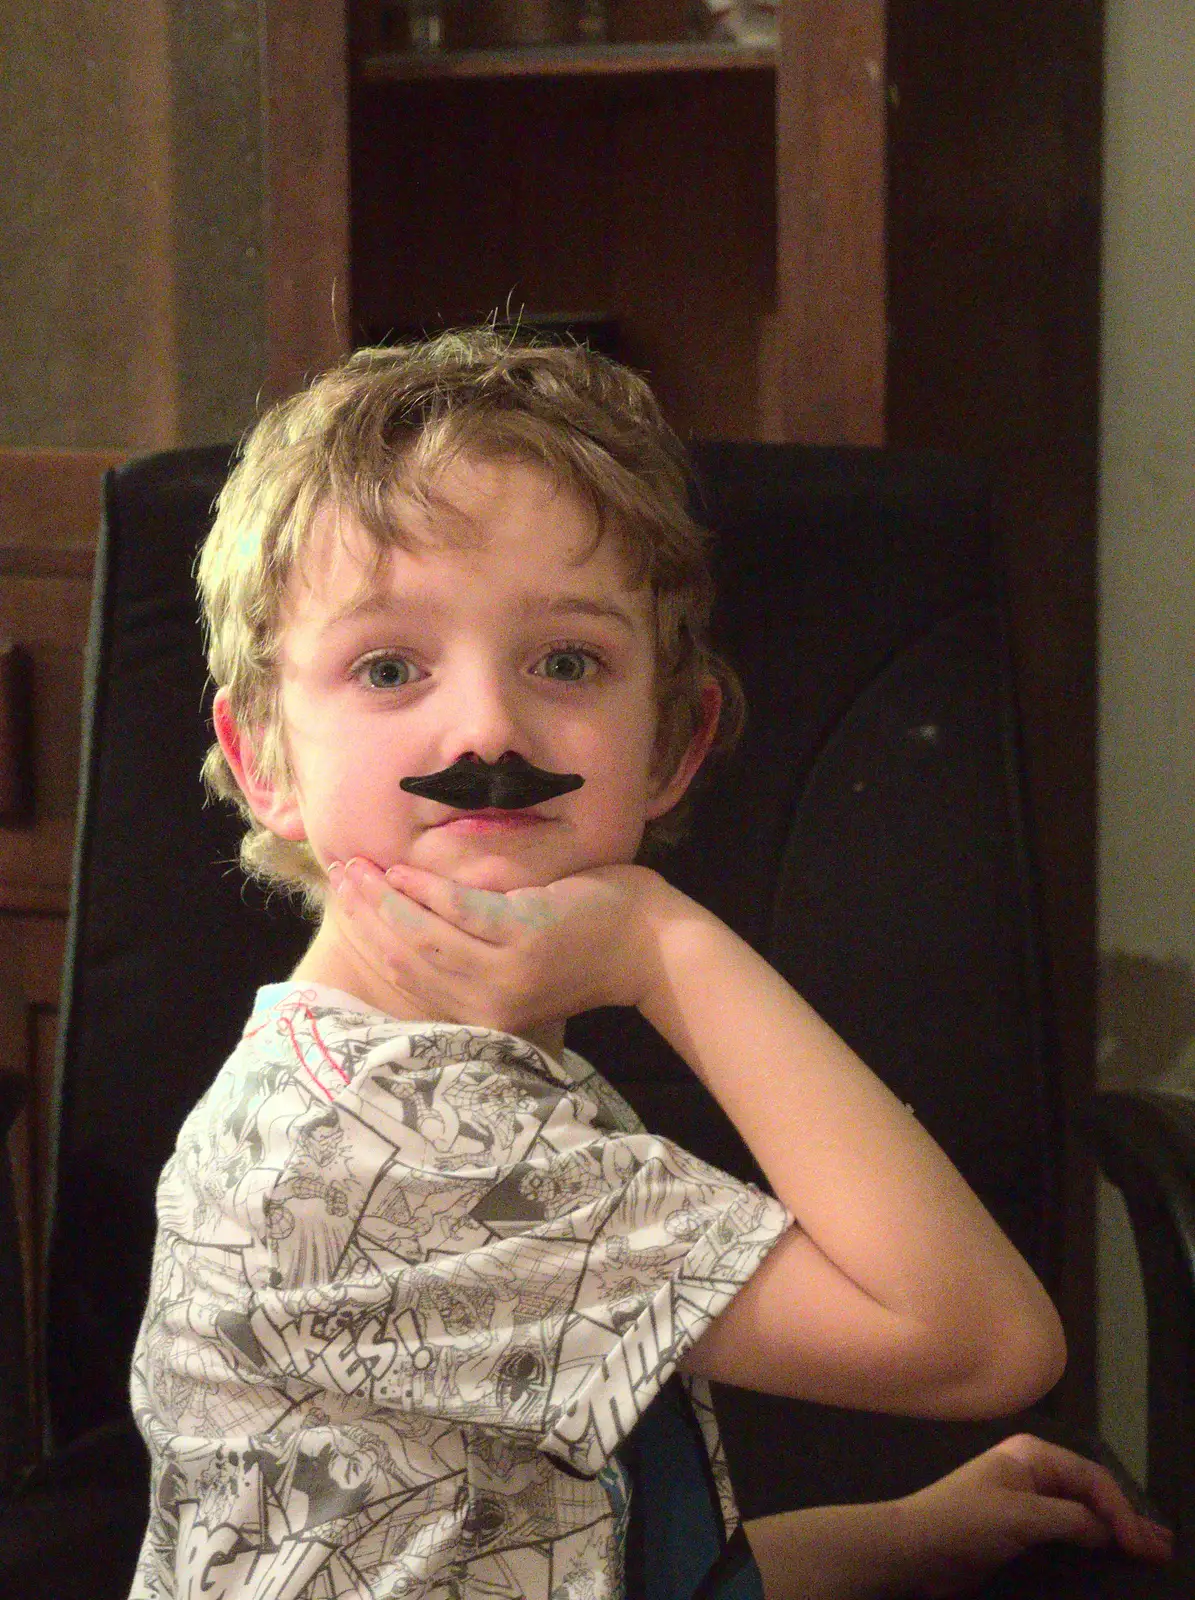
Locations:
(492, 820)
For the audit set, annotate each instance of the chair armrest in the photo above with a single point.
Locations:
(13, 1089)
(1145, 1143)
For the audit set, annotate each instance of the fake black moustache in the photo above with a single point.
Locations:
(508, 784)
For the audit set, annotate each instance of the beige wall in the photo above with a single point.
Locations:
(131, 303)
(1147, 615)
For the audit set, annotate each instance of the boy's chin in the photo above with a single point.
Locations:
(499, 875)
(499, 869)
(476, 867)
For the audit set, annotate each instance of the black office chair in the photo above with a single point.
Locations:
(867, 836)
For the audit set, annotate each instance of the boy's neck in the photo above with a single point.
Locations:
(330, 959)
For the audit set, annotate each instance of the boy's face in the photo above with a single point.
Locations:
(518, 641)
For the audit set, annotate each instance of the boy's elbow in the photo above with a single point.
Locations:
(1021, 1360)
(1039, 1357)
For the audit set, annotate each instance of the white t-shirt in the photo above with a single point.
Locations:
(413, 1285)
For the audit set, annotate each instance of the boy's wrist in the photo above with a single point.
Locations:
(672, 933)
(843, 1552)
(907, 1540)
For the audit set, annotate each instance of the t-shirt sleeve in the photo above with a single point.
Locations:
(707, 1233)
(481, 1246)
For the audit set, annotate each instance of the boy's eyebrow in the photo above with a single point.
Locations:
(580, 605)
(373, 601)
(377, 602)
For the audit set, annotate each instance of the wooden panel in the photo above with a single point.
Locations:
(43, 945)
(16, 1053)
(49, 617)
(32, 948)
(304, 64)
(49, 514)
(830, 130)
(35, 865)
(53, 611)
(652, 201)
(51, 498)
(38, 944)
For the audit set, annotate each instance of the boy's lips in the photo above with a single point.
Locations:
(492, 819)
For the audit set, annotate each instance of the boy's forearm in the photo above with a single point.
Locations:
(832, 1553)
(902, 1235)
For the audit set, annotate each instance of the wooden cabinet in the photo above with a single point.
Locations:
(652, 183)
(645, 197)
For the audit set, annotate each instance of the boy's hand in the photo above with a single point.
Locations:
(511, 961)
(1021, 1493)
(953, 1535)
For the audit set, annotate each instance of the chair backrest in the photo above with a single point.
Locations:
(867, 836)
(166, 942)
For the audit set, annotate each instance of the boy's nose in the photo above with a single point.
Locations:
(486, 722)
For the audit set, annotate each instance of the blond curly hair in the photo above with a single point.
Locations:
(389, 421)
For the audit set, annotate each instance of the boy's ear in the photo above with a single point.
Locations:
(275, 805)
(674, 787)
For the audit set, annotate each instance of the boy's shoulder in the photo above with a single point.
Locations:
(323, 1046)
(306, 1024)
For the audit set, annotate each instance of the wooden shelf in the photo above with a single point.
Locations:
(74, 560)
(573, 60)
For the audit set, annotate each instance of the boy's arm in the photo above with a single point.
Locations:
(896, 1291)
(946, 1539)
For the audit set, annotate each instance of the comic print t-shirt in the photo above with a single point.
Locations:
(413, 1285)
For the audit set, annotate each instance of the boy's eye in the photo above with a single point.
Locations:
(387, 672)
(567, 666)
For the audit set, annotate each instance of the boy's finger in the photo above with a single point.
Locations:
(485, 914)
(405, 904)
(368, 902)
(1063, 1475)
(1080, 1523)
(1058, 1471)
(1149, 1540)
(363, 892)
(1046, 1520)
(390, 930)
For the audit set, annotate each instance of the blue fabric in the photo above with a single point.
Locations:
(677, 1547)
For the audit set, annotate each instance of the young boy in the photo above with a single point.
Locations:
(419, 1271)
